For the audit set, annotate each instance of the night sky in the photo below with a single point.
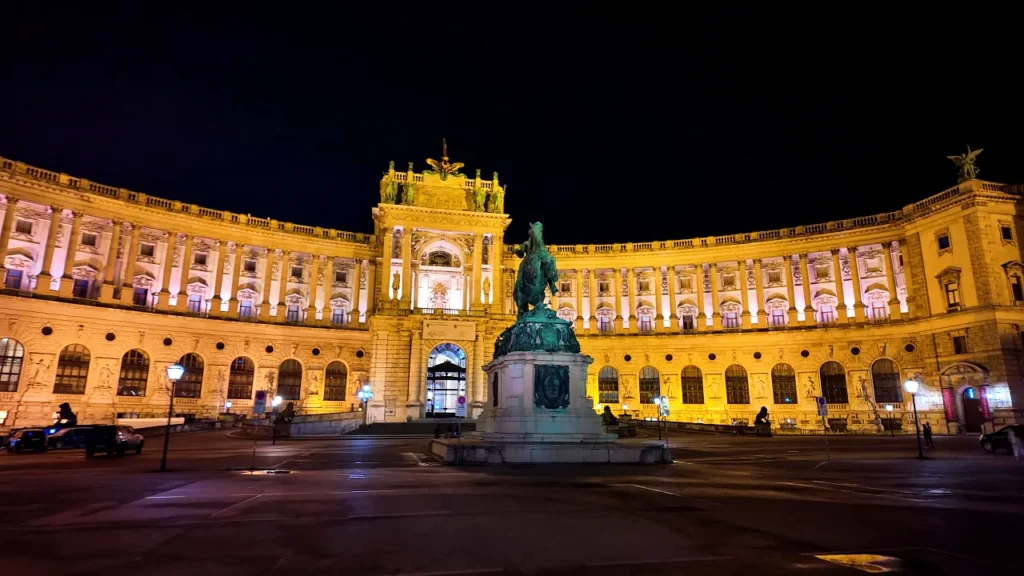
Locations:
(608, 125)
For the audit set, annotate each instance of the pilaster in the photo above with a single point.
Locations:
(858, 297)
(163, 297)
(840, 293)
(790, 290)
(716, 314)
(45, 276)
(890, 278)
(67, 283)
(762, 314)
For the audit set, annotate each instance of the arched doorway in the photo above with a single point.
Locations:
(974, 417)
(446, 380)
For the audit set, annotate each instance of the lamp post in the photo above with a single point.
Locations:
(888, 409)
(273, 420)
(174, 373)
(911, 387)
(365, 395)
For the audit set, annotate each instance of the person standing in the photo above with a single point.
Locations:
(928, 436)
(1016, 444)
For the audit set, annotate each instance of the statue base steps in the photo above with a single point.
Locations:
(482, 452)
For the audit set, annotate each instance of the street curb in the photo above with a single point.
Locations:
(238, 436)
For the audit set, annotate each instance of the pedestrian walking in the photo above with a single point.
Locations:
(1015, 443)
(928, 436)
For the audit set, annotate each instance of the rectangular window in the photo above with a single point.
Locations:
(564, 287)
(89, 239)
(776, 317)
(873, 265)
(603, 287)
(245, 309)
(1007, 232)
(604, 324)
(731, 320)
(141, 297)
(688, 322)
(23, 226)
(822, 272)
(960, 344)
(646, 324)
(80, 289)
(827, 315)
(250, 266)
(879, 310)
(608, 390)
(1016, 290)
(293, 314)
(943, 240)
(728, 281)
(195, 304)
(341, 277)
(775, 277)
(338, 317)
(199, 259)
(686, 284)
(147, 250)
(645, 285)
(297, 272)
(952, 296)
(13, 281)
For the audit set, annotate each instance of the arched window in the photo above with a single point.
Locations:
(886, 377)
(12, 353)
(608, 386)
(335, 381)
(693, 385)
(446, 379)
(784, 384)
(833, 382)
(72, 370)
(240, 378)
(737, 390)
(650, 384)
(289, 379)
(191, 383)
(134, 374)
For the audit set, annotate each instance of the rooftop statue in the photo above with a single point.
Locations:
(537, 328)
(444, 168)
(966, 164)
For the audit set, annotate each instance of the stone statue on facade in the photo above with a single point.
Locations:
(496, 203)
(487, 287)
(396, 283)
(966, 163)
(479, 199)
(408, 194)
(389, 192)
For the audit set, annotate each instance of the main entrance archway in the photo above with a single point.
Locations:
(974, 418)
(446, 380)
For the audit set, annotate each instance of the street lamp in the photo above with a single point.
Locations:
(911, 387)
(274, 403)
(365, 395)
(888, 408)
(174, 373)
(662, 403)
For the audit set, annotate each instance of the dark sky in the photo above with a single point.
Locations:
(609, 125)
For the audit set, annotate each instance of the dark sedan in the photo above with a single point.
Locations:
(1000, 439)
(27, 439)
(68, 438)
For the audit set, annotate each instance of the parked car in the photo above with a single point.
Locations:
(68, 438)
(999, 440)
(27, 439)
(113, 440)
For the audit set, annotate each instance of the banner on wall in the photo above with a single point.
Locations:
(448, 330)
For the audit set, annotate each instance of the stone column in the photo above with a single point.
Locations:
(218, 280)
(413, 404)
(716, 313)
(43, 281)
(110, 267)
(5, 233)
(858, 303)
(235, 279)
(890, 277)
(673, 299)
(314, 276)
(357, 270)
(790, 289)
(744, 295)
(406, 268)
(631, 286)
(806, 283)
(371, 283)
(592, 302)
(67, 283)
(130, 255)
(268, 277)
(907, 277)
(181, 304)
(702, 318)
(414, 284)
(477, 396)
(579, 300)
(762, 314)
(385, 285)
(840, 293)
(163, 297)
(659, 317)
(282, 285)
(327, 311)
(478, 248)
(617, 291)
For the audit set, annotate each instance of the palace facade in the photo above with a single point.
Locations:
(105, 287)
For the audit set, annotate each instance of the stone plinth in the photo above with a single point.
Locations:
(540, 397)
(476, 451)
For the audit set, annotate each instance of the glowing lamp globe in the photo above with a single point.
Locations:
(175, 371)
(911, 386)
(276, 401)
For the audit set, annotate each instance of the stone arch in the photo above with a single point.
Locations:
(833, 382)
(241, 377)
(134, 375)
(289, 380)
(190, 385)
(886, 381)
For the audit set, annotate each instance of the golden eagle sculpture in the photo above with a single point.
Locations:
(444, 168)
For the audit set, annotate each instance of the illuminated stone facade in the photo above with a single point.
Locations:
(721, 325)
